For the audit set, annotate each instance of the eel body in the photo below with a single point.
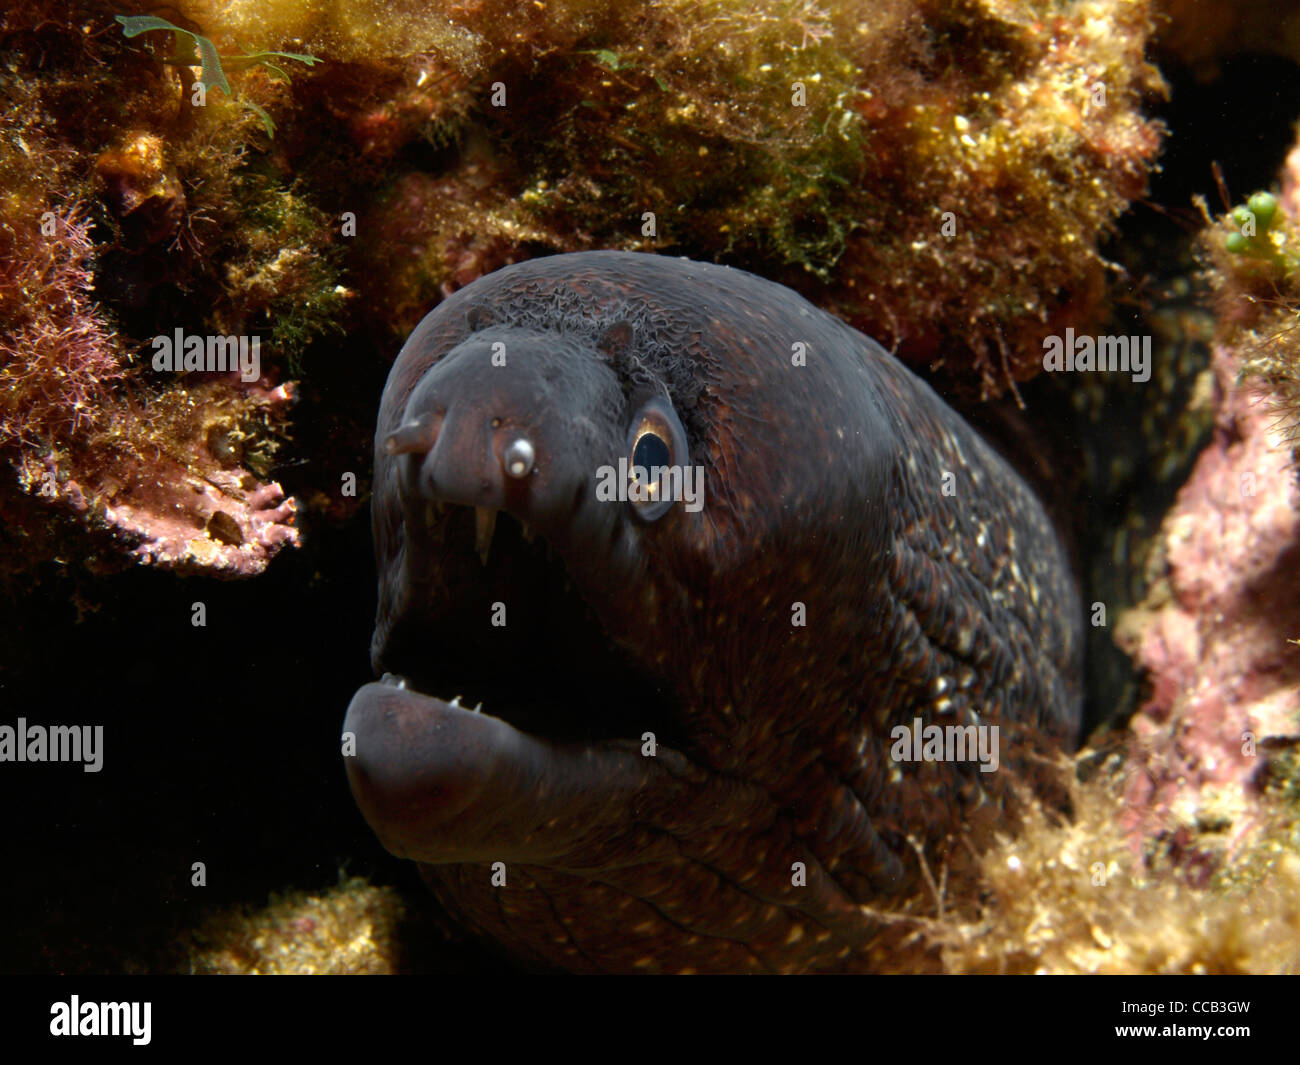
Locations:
(657, 729)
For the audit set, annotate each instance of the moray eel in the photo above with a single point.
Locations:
(643, 729)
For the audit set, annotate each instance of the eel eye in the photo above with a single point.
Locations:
(657, 459)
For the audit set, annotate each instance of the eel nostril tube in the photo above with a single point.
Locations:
(417, 435)
(518, 457)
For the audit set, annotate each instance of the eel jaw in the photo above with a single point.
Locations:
(441, 783)
(704, 859)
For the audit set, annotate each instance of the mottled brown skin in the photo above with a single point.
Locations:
(824, 485)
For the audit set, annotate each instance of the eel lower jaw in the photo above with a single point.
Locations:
(442, 783)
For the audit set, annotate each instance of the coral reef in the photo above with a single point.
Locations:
(352, 928)
(867, 153)
(1213, 635)
(101, 233)
(1212, 632)
(1073, 897)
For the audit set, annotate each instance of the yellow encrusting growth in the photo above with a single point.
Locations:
(938, 171)
(1079, 895)
(351, 928)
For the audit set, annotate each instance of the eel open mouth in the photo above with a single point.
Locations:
(532, 745)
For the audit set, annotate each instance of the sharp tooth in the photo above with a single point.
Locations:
(478, 708)
(485, 523)
(456, 703)
(433, 512)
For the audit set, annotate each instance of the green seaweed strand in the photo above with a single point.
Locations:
(210, 60)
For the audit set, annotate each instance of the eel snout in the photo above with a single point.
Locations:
(456, 446)
(481, 435)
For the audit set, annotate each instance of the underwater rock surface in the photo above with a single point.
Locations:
(365, 159)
